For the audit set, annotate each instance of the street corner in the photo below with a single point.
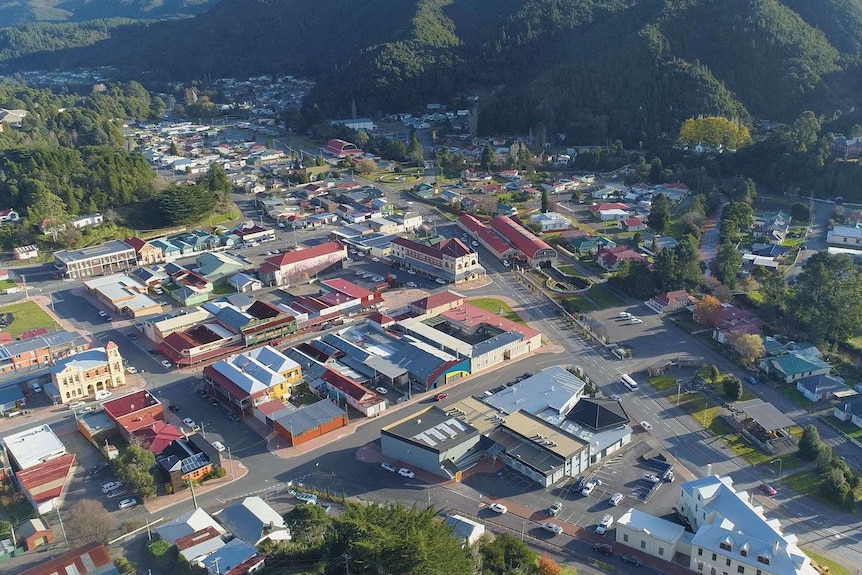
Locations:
(369, 453)
(476, 284)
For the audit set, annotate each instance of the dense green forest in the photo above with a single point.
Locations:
(17, 12)
(595, 70)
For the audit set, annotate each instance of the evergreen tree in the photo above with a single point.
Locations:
(659, 214)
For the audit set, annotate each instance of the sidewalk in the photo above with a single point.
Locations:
(235, 472)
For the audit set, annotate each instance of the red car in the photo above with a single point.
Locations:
(604, 548)
(767, 489)
(441, 396)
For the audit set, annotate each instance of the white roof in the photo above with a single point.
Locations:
(248, 373)
(614, 212)
(186, 523)
(655, 527)
(553, 388)
(272, 358)
(34, 446)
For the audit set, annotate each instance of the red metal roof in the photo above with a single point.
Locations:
(158, 436)
(345, 384)
(491, 240)
(45, 481)
(522, 239)
(438, 299)
(451, 247)
(128, 404)
(196, 538)
(348, 288)
(604, 207)
(82, 561)
(469, 316)
(296, 256)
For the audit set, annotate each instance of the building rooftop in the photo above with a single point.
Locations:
(84, 360)
(468, 317)
(128, 404)
(308, 417)
(296, 256)
(101, 250)
(251, 519)
(554, 388)
(657, 527)
(599, 414)
(432, 429)
(92, 559)
(187, 523)
(520, 237)
(34, 446)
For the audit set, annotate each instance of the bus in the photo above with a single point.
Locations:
(627, 381)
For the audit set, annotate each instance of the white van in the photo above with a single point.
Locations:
(102, 394)
(605, 524)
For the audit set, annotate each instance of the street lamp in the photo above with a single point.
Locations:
(780, 462)
(678, 390)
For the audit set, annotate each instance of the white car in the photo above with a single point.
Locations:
(404, 472)
(652, 478)
(411, 285)
(605, 524)
(111, 486)
(635, 320)
(506, 263)
(306, 497)
(127, 503)
(359, 272)
(375, 259)
(646, 425)
(411, 272)
(132, 369)
(616, 499)
(474, 244)
(615, 397)
(167, 364)
(190, 423)
(388, 467)
(102, 314)
(381, 390)
(590, 487)
(440, 281)
(625, 315)
(76, 405)
(498, 508)
(219, 446)
(551, 527)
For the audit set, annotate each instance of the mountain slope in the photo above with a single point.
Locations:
(594, 69)
(18, 12)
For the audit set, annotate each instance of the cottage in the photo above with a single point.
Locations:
(791, 367)
(819, 387)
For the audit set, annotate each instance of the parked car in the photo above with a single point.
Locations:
(214, 402)
(388, 467)
(616, 499)
(604, 548)
(132, 369)
(133, 337)
(174, 407)
(767, 489)
(440, 281)
(498, 508)
(381, 390)
(76, 405)
(219, 446)
(306, 497)
(152, 352)
(652, 478)
(111, 486)
(233, 417)
(750, 379)
(551, 527)
(411, 272)
(625, 315)
(579, 484)
(605, 524)
(99, 467)
(411, 284)
(441, 396)
(632, 560)
(590, 486)
(646, 425)
(635, 320)
(555, 509)
(190, 423)
(102, 314)
(167, 364)
(127, 503)
(404, 472)
(615, 397)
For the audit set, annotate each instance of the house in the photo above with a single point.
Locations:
(248, 379)
(670, 301)
(34, 533)
(236, 558)
(611, 258)
(252, 520)
(92, 559)
(849, 411)
(218, 267)
(772, 225)
(845, 235)
(134, 412)
(189, 522)
(12, 117)
(550, 222)
(28, 252)
(245, 283)
(196, 546)
(83, 374)
(465, 530)
(186, 460)
(9, 216)
(616, 207)
(87, 220)
(345, 391)
(847, 148)
(632, 225)
(587, 244)
(108, 257)
(791, 367)
(819, 387)
(147, 253)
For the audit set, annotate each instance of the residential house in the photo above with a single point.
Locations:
(92, 559)
(83, 374)
(189, 522)
(87, 220)
(245, 283)
(611, 258)
(632, 225)
(252, 520)
(669, 301)
(345, 391)
(735, 320)
(819, 387)
(849, 411)
(189, 459)
(197, 546)
(550, 222)
(9, 216)
(772, 226)
(791, 367)
(465, 530)
(218, 267)
(845, 235)
(254, 377)
(28, 252)
(236, 558)
(587, 244)
(34, 533)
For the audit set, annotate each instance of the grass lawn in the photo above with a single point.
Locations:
(301, 395)
(223, 289)
(808, 483)
(662, 382)
(16, 508)
(603, 298)
(846, 427)
(568, 270)
(7, 284)
(27, 315)
(576, 302)
(790, 392)
(834, 568)
(703, 410)
(686, 323)
(494, 305)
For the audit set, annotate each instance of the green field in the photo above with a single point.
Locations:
(603, 298)
(846, 427)
(7, 284)
(834, 568)
(808, 483)
(662, 382)
(494, 305)
(568, 270)
(26, 315)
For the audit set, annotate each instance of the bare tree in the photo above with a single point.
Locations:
(89, 522)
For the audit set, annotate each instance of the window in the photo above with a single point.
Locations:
(727, 562)
(713, 556)
(724, 545)
(643, 544)
(759, 572)
(625, 537)
(700, 552)
(743, 552)
(763, 559)
(700, 566)
(740, 569)
(661, 551)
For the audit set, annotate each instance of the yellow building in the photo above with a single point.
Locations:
(84, 374)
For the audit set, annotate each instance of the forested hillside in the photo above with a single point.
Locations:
(593, 69)
(18, 12)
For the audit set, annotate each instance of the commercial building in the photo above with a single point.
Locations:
(134, 412)
(450, 260)
(433, 440)
(33, 446)
(85, 373)
(731, 533)
(36, 352)
(124, 295)
(187, 460)
(92, 559)
(309, 421)
(532, 250)
(299, 266)
(486, 237)
(42, 466)
(108, 257)
(246, 380)
(159, 327)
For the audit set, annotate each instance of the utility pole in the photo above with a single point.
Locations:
(192, 487)
(346, 558)
(63, 529)
(231, 463)
(24, 281)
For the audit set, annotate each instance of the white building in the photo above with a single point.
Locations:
(845, 236)
(108, 257)
(33, 446)
(731, 534)
(551, 221)
(88, 220)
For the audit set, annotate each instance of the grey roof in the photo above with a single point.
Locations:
(251, 519)
(498, 341)
(765, 414)
(187, 523)
(233, 318)
(9, 395)
(308, 417)
(554, 387)
(54, 339)
(432, 429)
(821, 383)
(599, 414)
(464, 529)
(418, 360)
(100, 250)
(229, 556)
